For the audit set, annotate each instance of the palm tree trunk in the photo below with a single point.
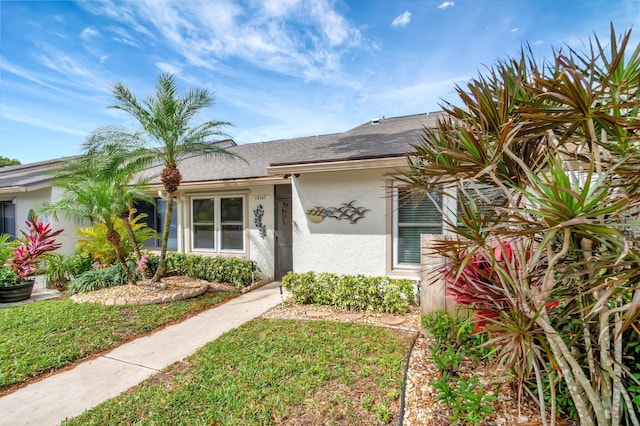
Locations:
(115, 239)
(126, 220)
(165, 238)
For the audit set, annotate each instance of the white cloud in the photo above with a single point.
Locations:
(402, 20)
(334, 27)
(538, 42)
(302, 39)
(278, 8)
(420, 96)
(60, 84)
(43, 123)
(171, 69)
(88, 33)
(445, 4)
(515, 29)
(104, 58)
(123, 36)
(66, 65)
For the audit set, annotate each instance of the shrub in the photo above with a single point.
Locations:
(443, 327)
(351, 292)
(239, 272)
(466, 397)
(93, 239)
(7, 244)
(35, 243)
(96, 279)
(455, 342)
(8, 278)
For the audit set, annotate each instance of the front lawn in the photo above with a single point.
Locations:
(270, 372)
(39, 337)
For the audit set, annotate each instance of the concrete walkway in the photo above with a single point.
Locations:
(69, 393)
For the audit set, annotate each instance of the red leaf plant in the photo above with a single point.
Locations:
(481, 282)
(37, 241)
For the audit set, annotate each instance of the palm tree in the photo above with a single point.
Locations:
(97, 200)
(166, 136)
(114, 166)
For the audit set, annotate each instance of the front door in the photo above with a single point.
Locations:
(283, 231)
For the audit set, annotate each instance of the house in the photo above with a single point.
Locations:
(28, 186)
(322, 203)
(326, 203)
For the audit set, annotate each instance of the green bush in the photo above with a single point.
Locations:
(239, 272)
(93, 241)
(457, 331)
(446, 328)
(96, 279)
(7, 277)
(59, 268)
(382, 294)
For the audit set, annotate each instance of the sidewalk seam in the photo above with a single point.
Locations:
(131, 363)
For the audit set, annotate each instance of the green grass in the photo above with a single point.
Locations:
(39, 337)
(270, 371)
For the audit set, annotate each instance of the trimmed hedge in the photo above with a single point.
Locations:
(382, 294)
(239, 272)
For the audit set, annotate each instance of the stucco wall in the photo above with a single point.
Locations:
(262, 249)
(24, 201)
(339, 246)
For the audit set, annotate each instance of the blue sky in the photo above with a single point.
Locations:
(277, 68)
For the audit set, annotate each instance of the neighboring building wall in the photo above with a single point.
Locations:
(339, 246)
(35, 200)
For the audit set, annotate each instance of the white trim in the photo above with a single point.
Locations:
(188, 188)
(334, 166)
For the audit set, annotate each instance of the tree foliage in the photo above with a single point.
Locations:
(102, 187)
(6, 161)
(166, 134)
(552, 268)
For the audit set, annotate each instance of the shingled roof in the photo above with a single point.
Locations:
(383, 138)
(29, 177)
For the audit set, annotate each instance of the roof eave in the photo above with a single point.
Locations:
(225, 183)
(334, 166)
(25, 188)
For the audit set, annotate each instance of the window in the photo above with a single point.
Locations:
(412, 218)
(7, 218)
(218, 224)
(155, 220)
(483, 197)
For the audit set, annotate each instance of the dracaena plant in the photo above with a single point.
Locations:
(493, 281)
(561, 142)
(38, 240)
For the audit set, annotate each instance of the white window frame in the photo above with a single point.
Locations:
(396, 225)
(217, 224)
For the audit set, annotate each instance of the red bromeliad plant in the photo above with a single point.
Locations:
(37, 241)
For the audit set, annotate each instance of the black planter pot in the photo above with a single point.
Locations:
(17, 293)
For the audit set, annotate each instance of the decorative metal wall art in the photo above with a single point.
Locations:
(346, 211)
(258, 212)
